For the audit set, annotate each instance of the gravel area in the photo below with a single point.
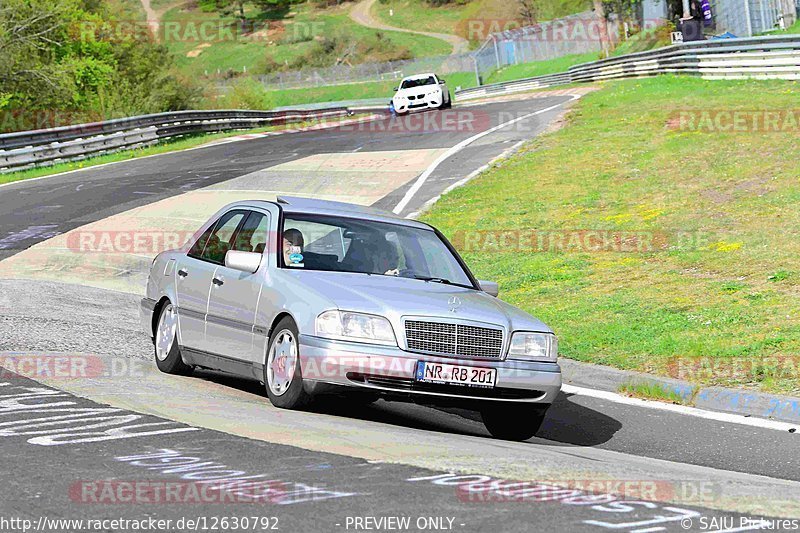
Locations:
(38, 316)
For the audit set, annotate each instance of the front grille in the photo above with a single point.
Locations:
(456, 340)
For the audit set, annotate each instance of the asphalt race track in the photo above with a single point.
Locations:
(32, 210)
(129, 443)
(75, 478)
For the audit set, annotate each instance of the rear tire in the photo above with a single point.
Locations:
(165, 340)
(283, 377)
(513, 422)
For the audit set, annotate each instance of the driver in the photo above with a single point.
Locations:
(386, 259)
(293, 243)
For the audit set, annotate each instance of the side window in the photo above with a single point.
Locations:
(319, 238)
(217, 241)
(197, 248)
(252, 236)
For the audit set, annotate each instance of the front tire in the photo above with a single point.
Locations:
(283, 377)
(165, 339)
(513, 422)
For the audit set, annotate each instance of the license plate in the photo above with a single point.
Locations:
(456, 374)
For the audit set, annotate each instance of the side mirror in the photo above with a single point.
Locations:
(396, 89)
(489, 287)
(441, 81)
(243, 261)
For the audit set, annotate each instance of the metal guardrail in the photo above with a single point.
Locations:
(776, 56)
(515, 86)
(24, 149)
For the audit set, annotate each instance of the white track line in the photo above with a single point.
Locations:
(427, 205)
(730, 418)
(460, 146)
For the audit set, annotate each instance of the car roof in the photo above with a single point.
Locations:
(313, 206)
(418, 76)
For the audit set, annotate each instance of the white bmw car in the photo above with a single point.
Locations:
(424, 91)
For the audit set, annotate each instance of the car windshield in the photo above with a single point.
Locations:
(418, 82)
(341, 244)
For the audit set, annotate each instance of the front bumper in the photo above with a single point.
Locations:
(391, 371)
(404, 105)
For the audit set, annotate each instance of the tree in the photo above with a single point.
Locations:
(529, 11)
(65, 60)
(30, 33)
(602, 17)
(230, 7)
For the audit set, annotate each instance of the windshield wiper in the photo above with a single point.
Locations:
(441, 280)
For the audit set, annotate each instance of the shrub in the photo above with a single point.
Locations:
(246, 93)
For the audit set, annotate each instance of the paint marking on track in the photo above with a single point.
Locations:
(427, 205)
(729, 418)
(460, 146)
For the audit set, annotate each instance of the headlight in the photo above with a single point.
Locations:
(533, 346)
(355, 326)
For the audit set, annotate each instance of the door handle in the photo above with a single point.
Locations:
(217, 281)
(183, 272)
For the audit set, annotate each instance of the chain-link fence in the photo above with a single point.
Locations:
(577, 34)
(746, 18)
(368, 72)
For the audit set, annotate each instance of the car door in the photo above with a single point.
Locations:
(194, 274)
(235, 295)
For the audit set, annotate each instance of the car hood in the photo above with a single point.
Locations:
(395, 298)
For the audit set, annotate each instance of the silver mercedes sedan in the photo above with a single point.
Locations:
(314, 297)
